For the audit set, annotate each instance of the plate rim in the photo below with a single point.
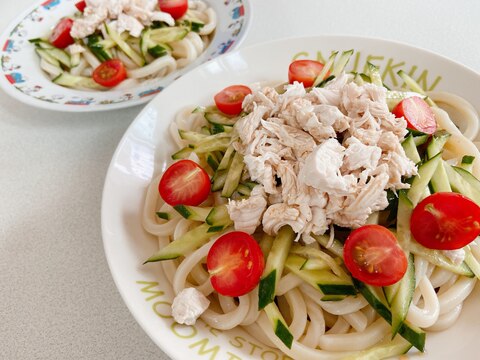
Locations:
(125, 297)
(17, 95)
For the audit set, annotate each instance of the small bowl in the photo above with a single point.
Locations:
(22, 78)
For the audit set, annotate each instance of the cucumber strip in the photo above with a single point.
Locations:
(218, 216)
(373, 72)
(342, 62)
(168, 34)
(220, 119)
(196, 213)
(94, 43)
(324, 280)
(439, 181)
(266, 243)
(467, 163)
(333, 297)
(420, 139)
(274, 266)
(280, 327)
(393, 97)
(75, 60)
(182, 153)
(65, 79)
(227, 158)
(420, 181)
(463, 182)
(41, 43)
(136, 58)
(404, 213)
(314, 264)
(403, 297)
(212, 161)
(387, 349)
(436, 257)
(219, 144)
(164, 215)
(61, 56)
(472, 262)
(218, 180)
(234, 175)
(336, 248)
(409, 332)
(360, 82)
(326, 68)
(190, 241)
(411, 149)
(243, 190)
(414, 86)
(191, 135)
(45, 54)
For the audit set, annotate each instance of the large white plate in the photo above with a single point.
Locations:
(22, 78)
(145, 149)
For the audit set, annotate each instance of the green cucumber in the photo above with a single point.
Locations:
(326, 68)
(420, 139)
(411, 149)
(195, 213)
(220, 119)
(122, 44)
(274, 266)
(234, 175)
(218, 180)
(217, 144)
(226, 159)
(324, 280)
(373, 72)
(61, 56)
(218, 216)
(314, 264)
(403, 297)
(336, 248)
(421, 181)
(212, 160)
(243, 190)
(280, 327)
(94, 43)
(467, 163)
(65, 79)
(394, 97)
(439, 181)
(164, 215)
(437, 258)
(414, 86)
(190, 241)
(41, 43)
(472, 262)
(168, 34)
(182, 153)
(191, 135)
(463, 182)
(342, 62)
(47, 56)
(409, 332)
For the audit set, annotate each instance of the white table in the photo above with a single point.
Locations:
(57, 297)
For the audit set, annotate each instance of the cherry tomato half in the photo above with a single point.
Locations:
(445, 221)
(60, 36)
(418, 114)
(229, 100)
(235, 263)
(184, 183)
(110, 73)
(304, 71)
(372, 255)
(81, 5)
(176, 8)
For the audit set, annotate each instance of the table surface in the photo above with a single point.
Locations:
(57, 297)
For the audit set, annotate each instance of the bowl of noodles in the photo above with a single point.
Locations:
(154, 48)
(302, 320)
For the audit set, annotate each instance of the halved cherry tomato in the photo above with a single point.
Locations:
(235, 263)
(176, 8)
(229, 100)
(60, 36)
(445, 221)
(418, 114)
(110, 73)
(184, 183)
(81, 5)
(304, 71)
(372, 255)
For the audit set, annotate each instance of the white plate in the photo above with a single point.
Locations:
(22, 77)
(146, 147)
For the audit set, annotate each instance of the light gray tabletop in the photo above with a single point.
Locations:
(57, 297)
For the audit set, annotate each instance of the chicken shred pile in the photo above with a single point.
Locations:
(321, 157)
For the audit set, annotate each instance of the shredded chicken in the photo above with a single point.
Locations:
(321, 157)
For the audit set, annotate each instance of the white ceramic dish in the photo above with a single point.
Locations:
(146, 147)
(22, 78)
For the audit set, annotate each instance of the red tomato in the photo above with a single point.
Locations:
(372, 255)
(110, 73)
(229, 100)
(304, 71)
(60, 36)
(235, 263)
(176, 8)
(418, 114)
(184, 183)
(81, 5)
(445, 221)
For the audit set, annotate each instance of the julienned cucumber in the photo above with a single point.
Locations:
(411, 149)
(403, 297)
(234, 175)
(66, 79)
(409, 332)
(274, 266)
(196, 213)
(279, 325)
(420, 182)
(463, 182)
(439, 180)
(324, 280)
(122, 44)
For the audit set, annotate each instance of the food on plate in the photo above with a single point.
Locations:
(338, 218)
(149, 38)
